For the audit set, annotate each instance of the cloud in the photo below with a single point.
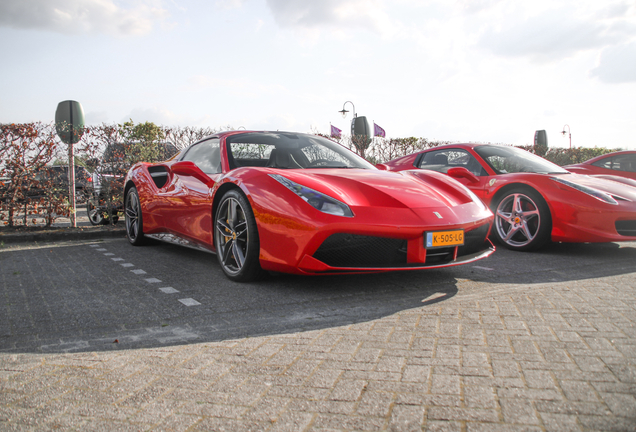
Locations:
(617, 64)
(312, 14)
(81, 16)
(548, 36)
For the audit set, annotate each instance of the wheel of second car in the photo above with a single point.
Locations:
(95, 216)
(134, 221)
(236, 238)
(522, 220)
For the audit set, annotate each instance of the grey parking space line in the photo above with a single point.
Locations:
(94, 245)
(168, 290)
(189, 302)
(483, 268)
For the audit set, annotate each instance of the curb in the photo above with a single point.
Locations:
(62, 234)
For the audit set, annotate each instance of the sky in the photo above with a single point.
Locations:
(452, 70)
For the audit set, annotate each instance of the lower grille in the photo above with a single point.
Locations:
(474, 240)
(626, 227)
(351, 250)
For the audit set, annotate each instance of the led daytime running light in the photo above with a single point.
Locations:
(316, 199)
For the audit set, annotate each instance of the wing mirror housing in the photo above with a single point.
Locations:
(461, 172)
(382, 167)
(188, 168)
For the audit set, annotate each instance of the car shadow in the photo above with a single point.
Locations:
(93, 304)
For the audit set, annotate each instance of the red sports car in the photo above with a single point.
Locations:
(297, 203)
(534, 200)
(622, 164)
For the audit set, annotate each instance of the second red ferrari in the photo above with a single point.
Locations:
(534, 200)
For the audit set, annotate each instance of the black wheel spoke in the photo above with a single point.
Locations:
(227, 252)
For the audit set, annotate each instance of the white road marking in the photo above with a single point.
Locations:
(138, 271)
(109, 254)
(127, 265)
(153, 280)
(168, 290)
(434, 296)
(483, 268)
(101, 250)
(117, 259)
(94, 245)
(189, 302)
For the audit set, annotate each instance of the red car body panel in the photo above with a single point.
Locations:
(576, 216)
(399, 206)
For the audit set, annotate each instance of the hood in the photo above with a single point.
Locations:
(405, 189)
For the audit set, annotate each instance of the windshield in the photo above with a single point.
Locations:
(290, 151)
(506, 160)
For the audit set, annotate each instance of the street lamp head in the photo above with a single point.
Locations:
(343, 112)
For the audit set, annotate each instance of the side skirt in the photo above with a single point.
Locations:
(171, 238)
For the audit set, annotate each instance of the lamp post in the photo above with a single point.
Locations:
(344, 111)
(569, 134)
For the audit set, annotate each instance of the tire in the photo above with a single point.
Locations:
(236, 238)
(134, 220)
(522, 220)
(95, 216)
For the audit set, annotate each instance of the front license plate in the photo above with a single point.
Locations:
(444, 238)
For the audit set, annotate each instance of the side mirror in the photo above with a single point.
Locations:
(461, 172)
(382, 167)
(188, 168)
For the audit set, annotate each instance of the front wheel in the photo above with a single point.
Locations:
(236, 238)
(522, 220)
(134, 221)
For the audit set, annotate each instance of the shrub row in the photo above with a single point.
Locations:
(26, 149)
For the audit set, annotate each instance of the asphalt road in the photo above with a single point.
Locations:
(108, 295)
(104, 336)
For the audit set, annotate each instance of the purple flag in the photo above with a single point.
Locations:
(335, 132)
(378, 131)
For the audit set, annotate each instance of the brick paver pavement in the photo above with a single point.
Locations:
(514, 357)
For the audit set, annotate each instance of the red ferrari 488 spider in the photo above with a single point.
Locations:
(297, 203)
(534, 200)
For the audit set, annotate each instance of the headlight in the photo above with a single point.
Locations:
(599, 195)
(317, 200)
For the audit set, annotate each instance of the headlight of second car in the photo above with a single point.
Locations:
(316, 199)
(599, 195)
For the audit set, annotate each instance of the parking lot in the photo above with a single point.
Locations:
(102, 335)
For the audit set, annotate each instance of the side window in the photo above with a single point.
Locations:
(442, 160)
(625, 163)
(206, 155)
(618, 163)
(604, 163)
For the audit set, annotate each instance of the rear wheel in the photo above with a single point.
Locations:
(522, 220)
(134, 221)
(95, 216)
(236, 238)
